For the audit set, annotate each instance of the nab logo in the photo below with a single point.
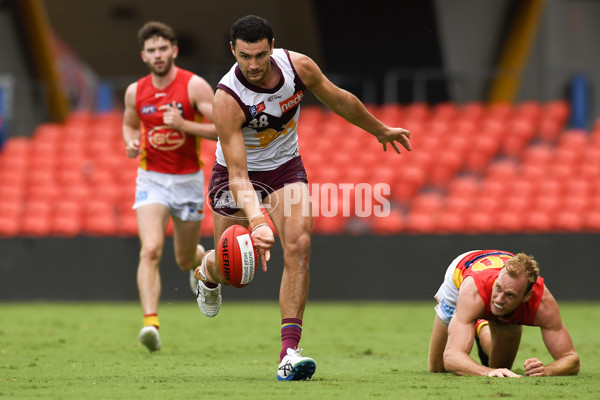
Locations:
(257, 108)
(148, 110)
(291, 102)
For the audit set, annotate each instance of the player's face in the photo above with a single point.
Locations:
(507, 293)
(158, 54)
(254, 59)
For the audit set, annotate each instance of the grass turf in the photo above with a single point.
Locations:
(363, 351)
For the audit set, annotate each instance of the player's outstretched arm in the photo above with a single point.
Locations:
(557, 341)
(346, 105)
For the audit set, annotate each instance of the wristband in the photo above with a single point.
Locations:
(259, 225)
(256, 221)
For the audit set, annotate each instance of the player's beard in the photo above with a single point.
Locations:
(257, 76)
(164, 70)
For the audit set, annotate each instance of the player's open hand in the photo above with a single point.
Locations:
(263, 239)
(172, 117)
(534, 367)
(503, 372)
(395, 136)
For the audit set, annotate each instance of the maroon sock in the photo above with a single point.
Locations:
(291, 332)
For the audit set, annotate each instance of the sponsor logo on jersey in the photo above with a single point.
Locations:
(148, 109)
(273, 98)
(157, 95)
(165, 139)
(257, 108)
(291, 102)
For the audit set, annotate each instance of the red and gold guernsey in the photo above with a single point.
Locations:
(484, 266)
(163, 149)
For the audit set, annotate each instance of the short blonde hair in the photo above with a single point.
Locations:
(522, 264)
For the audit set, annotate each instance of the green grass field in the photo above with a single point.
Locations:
(363, 351)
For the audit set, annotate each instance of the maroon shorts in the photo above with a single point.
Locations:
(264, 182)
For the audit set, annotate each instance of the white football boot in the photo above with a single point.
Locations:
(209, 299)
(150, 338)
(294, 367)
(193, 280)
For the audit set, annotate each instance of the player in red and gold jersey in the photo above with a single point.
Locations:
(507, 291)
(164, 123)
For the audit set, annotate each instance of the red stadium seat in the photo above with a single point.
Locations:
(538, 155)
(428, 202)
(36, 219)
(10, 226)
(421, 222)
(452, 221)
(569, 221)
(592, 221)
(392, 224)
(574, 139)
(538, 221)
(504, 170)
(334, 225)
(127, 223)
(480, 222)
(67, 219)
(11, 214)
(467, 185)
(509, 221)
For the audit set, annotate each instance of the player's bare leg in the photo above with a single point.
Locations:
(186, 236)
(293, 222)
(188, 251)
(152, 223)
(291, 213)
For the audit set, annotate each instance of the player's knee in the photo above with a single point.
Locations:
(185, 264)
(151, 252)
(299, 248)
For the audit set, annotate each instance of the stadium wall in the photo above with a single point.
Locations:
(402, 267)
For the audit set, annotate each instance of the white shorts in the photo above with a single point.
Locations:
(447, 294)
(182, 194)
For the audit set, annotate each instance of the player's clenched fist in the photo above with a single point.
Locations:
(534, 367)
(172, 117)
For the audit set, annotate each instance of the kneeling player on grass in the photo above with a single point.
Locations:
(505, 290)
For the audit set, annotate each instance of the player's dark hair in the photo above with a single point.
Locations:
(251, 29)
(155, 28)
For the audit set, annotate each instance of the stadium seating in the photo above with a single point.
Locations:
(475, 168)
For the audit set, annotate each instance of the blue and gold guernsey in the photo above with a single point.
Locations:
(271, 127)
